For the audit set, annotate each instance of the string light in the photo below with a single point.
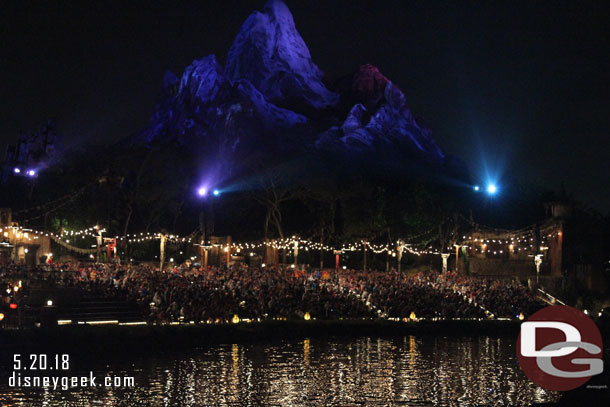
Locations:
(516, 242)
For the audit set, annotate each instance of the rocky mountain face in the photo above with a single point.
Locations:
(269, 53)
(270, 88)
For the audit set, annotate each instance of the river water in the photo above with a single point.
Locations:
(402, 371)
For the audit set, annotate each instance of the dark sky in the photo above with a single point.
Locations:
(520, 89)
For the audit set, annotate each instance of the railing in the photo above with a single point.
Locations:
(549, 299)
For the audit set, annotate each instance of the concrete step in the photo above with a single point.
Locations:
(96, 308)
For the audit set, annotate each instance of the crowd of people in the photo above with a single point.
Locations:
(440, 295)
(195, 293)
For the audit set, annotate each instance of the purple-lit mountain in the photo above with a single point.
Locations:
(270, 53)
(270, 89)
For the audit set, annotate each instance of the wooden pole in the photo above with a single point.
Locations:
(364, 259)
(321, 249)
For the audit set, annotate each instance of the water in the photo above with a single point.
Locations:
(408, 371)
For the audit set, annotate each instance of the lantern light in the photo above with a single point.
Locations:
(307, 317)
(49, 303)
(1, 316)
(12, 305)
(235, 319)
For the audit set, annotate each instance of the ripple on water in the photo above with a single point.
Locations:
(408, 371)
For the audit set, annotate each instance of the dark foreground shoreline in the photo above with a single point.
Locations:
(145, 338)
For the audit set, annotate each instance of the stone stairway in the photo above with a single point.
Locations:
(371, 307)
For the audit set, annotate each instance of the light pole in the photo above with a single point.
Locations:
(203, 193)
(99, 241)
(538, 263)
(337, 257)
(206, 249)
(162, 242)
(206, 213)
(364, 255)
(206, 220)
(400, 249)
(457, 255)
(444, 256)
(295, 249)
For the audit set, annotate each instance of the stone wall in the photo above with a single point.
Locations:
(521, 268)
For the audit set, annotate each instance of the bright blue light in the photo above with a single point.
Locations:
(31, 173)
(17, 170)
(202, 191)
(492, 189)
(476, 188)
(216, 192)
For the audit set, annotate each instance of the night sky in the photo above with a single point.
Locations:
(518, 89)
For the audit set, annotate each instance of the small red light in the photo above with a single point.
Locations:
(12, 306)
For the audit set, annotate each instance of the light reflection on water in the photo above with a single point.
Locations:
(409, 371)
